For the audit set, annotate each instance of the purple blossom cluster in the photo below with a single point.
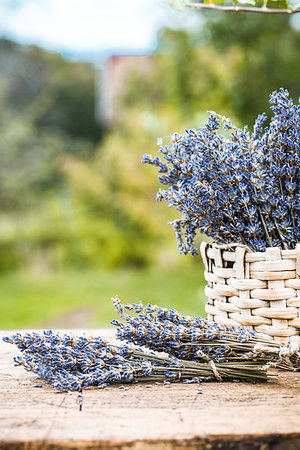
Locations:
(72, 363)
(166, 330)
(244, 188)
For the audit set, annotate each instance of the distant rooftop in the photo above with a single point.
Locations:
(112, 81)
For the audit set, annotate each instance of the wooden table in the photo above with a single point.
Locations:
(226, 416)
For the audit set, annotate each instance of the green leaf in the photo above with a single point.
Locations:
(282, 4)
(177, 4)
(215, 2)
(247, 2)
(278, 4)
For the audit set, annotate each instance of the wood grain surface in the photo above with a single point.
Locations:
(225, 416)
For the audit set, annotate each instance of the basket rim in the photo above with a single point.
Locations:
(233, 246)
(234, 253)
(228, 250)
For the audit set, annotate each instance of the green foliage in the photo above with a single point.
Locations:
(48, 111)
(277, 4)
(66, 201)
(82, 298)
(229, 66)
(265, 49)
(69, 200)
(55, 93)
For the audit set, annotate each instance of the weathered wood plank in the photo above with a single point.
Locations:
(226, 415)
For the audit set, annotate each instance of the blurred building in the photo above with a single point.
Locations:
(113, 76)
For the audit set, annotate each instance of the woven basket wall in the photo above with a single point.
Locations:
(256, 290)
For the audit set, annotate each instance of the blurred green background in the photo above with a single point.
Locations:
(78, 220)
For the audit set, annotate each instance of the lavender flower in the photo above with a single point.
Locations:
(243, 189)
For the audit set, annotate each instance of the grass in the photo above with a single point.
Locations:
(82, 298)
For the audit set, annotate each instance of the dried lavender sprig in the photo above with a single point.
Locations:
(197, 339)
(73, 363)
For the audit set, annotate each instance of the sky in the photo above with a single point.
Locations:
(76, 27)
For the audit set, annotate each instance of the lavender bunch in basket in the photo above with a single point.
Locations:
(198, 339)
(241, 189)
(75, 362)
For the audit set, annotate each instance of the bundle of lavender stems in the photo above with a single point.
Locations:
(166, 330)
(174, 348)
(75, 362)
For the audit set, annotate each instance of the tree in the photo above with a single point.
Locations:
(54, 92)
(230, 65)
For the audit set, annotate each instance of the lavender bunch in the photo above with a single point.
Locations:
(242, 189)
(183, 337)
(72, 363)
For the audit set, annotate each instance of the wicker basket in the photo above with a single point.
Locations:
(256, 290)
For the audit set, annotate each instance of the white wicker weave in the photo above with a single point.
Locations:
(256, 290)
